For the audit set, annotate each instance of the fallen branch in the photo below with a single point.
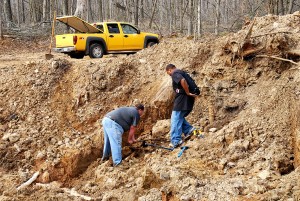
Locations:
(27, 183)
(73, 192)
(278, 58)
(279, 32)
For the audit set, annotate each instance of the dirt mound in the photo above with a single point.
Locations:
(248, 112)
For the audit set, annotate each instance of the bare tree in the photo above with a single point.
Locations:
(142, 10)
(136, 12)
(45, 11)
(153, 12)
(181, 16)
(8, 13)
(291, 6)
(217, 16)
(161, 13)
(191, 18)
(199, 19)
(80, 8)
(65, 7)
(88, 11)
(1, 32)
(100, 10)
(33, 11)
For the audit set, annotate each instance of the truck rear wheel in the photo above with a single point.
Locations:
(96, 51)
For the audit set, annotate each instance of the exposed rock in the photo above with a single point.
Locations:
(11, 137)
(161, 128)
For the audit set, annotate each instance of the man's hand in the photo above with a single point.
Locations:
(131, 141)
(131, 137)
(193, 95)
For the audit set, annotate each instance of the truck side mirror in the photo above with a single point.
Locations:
(138, 31)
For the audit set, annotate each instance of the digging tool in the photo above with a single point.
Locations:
(145, 144)
(49, 55)
(183, 148)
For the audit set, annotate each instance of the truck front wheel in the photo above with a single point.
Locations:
(96, 51)
(150, 44)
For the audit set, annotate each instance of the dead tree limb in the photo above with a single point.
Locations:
(247, 36)
(279, 32)
(27, 183)
(278, 58)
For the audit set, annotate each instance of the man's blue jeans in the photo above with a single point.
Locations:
(112, 140)
(179, 125)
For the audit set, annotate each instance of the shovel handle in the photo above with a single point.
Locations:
(52, 31)
(154, 145)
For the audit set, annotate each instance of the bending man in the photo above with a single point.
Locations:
(115, 123)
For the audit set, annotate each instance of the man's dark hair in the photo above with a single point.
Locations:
(140, 106)
(170, 66)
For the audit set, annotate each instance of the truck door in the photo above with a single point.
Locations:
(133, 40)
(115, 39)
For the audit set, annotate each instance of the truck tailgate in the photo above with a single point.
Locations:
(65, 40)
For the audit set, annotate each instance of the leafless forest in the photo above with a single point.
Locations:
(189, 17)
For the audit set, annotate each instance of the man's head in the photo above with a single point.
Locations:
(140, 108)
(170, 68)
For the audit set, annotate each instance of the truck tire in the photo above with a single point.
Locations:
(96, 51)
(76, 55)
(150, 44)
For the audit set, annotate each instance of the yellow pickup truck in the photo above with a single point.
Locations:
(101, 38)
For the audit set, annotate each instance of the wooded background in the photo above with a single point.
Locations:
(189, 17)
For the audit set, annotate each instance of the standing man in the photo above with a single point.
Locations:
(115, 123)
(183, 105)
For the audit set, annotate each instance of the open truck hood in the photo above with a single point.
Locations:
(78, 24)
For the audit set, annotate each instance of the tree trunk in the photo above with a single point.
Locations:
(101, 11)
(65, 7)
(152, 16)
(1, 32)
(161, 13)
(199, 30)
(181, 16)
(142, 10)
(170, 18)
(136, 13)
(8, 12)
(45, 12)
(217, 17)
(271, 6)
(88, 11)
(51, 10)
(291, 6)
(22, 12)
(191, 16)
(282, 10)
(108, 11)
(33, 11)
(126, 4)
(80, 8)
